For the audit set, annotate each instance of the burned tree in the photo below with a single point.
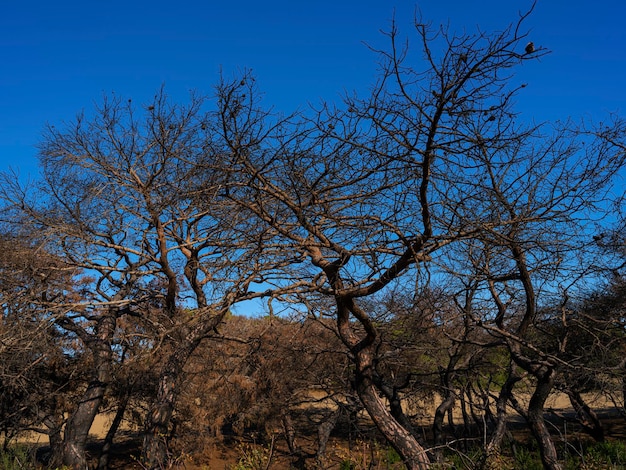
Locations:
(392, 189)
(134, 205)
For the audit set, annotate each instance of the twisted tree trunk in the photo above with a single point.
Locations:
(400, 438)
(545, 383)
(74, 445)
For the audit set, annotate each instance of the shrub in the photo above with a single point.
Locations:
(17, 457)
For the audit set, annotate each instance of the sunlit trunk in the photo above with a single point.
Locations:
(77, 427)
(401, 439)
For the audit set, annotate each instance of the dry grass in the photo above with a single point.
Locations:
(217, 456)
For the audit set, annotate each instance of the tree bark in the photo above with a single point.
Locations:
(403, 442)
(78, 425)
(545, 382)
(587, 418)
(105, 453)
(446, 377)
(297, 455)
(401, 439)
(494, 446)
(323, 434)
(290, 433)
(157, 432)
(54, 423)
(363, 349)
(446, 405)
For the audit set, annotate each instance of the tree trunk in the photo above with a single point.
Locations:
(446, 377)
(446, 405)
(401, 439)
(323, 434)
(545, 382)
(587, 418)
(54, 423)
(297, 455)
(80, 421)
(157, 424)
(467, 431)
(494, 446)
(395, 406)
(403, 442)
(290, 433)
(157, 432)
(495, 442)
(105, 453)
(77, 427)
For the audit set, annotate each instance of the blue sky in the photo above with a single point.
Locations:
(57, 58)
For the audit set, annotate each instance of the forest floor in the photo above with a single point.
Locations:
(364, 449)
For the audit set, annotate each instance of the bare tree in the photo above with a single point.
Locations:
(167, 216)
(35, 374)
(135, 203)
(394, 188)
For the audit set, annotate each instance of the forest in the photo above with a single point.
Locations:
(398, 280)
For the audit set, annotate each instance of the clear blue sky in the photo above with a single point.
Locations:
(57, 58)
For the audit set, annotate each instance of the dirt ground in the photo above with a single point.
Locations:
(224, 456)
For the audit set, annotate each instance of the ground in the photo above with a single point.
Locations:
(366, 449)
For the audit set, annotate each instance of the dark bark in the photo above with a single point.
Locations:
(105, 453)
(323, 434)
(392, 394)
(54, 423)
(624, 394)
(547, 450)
(446, 377)
(363, 349)
(290, 433)
(466, 418)
(395, 406)
(80, 421)
(587, 418)
(493, 448)
(157, 432)
(444, 407)
(451, 423)
(298, 457)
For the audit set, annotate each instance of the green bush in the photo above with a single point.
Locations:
(347, 465)
(392, 457)
(600, 455)
(17, 457)
(252, 458)
(527, 460)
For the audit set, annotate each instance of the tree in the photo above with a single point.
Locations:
(136, 204)
(167, 216)
(404, 184)
(35, 374)
(84, 223)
